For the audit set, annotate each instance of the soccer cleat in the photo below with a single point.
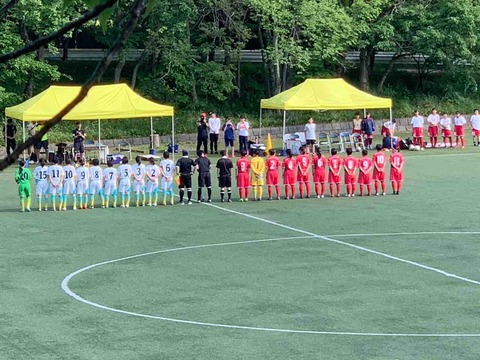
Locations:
(376, 194)
(172, 202)
(154, 204)
(322, 196)
(241, 200)
(181, 203)
(39, 209)
(64, 209)
(278, 197)
(223, 200)
(122, 206)
(28, 210)
(127, 206)
(353, 195)
(92, 207)
(269, 198)
(74, 208)
(229, 200)
(103, 206)
(209, 200)
(287, 198)
(189, 202)
(246, 199)
(338, 195)
(22, 210)
(383, 194)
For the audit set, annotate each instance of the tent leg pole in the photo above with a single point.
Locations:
(151, 132)
(173, 138)
(260, 123)
(99, 140)
(364, 113)
(283, 128)
(24, 138)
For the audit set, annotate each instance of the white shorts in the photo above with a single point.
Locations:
(138, 187)
(124, 186)
(68, 187)
(166, 184)
(152, 186)
(55, 190)
(110, 188)
(42, 187)
(82, 187)
(95, 187)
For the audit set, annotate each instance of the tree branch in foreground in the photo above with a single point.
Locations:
(102, 66)
(6, 8)
(35, 45)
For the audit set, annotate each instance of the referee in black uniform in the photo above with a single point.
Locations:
(203, 166)
(224, 171)
(185, 167)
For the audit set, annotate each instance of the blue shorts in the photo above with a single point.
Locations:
(229, 142)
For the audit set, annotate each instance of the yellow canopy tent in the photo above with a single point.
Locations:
(323, 94)
(117, 101)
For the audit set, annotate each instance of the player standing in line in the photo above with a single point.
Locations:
(446, 126)
(396, 171)
(41, 178)
(460, 129)
(96, 187)
(310, 135)
(167, 170)
(289, 176)
(319, 173)
(82, 184)
(365, 165)
(417, 129)
(243, 178)
(185, 167)
(224, 173)
(55, 178)
(69, 184)
(334, 168)
(153, 174)
(475, 121)
(203, 166)
(379, 171)
(350, 164)
(257, 179)
(125, 173)
(433, 120)
(110, 177)
(303, 174)
(273, 178)
(139, 172)
(23, 176)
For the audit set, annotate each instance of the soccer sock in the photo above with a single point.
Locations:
(255, 192)
(277, 190)
(331, 189)
(102, 198)
(293, 191)
(80, 201)
(29, 201)
(361, 189)
(399, 186)
(369, 189)
(122, 196)
(155, 201)
(209, 192)
(456, 140)
(229, 194)
(339, 188)
(309, 188)
(240, 193)
(435, 139)
(463, 141)
(171, 196)
(189, 194)
(260, 192)
(384, 187)
(324, 189)
(270, 191)
(286, 191)
(247, 193)
(22, 204)
(54, 204)
(349, 189)
(301, 187)
(182, 192)
(137, 198)
(354, 189)
(222, 194)
(115, 198)
(74, 197)
(149, 198)
(199, 194)
(92, 201)
(39, 201)
(127, 204)
(451, 141)
(376, 186)
(394, 186)
(107, 200)
(144, 198)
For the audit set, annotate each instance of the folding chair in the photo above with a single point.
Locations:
(335, 141)
(323, 141)
(346, 141)
(301, 136)
(125, 146)
(357, 140)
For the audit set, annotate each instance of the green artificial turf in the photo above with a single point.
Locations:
(310, 283)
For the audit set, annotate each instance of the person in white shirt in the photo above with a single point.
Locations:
(167, 170)
(55, 178)
(110, 177)
(69, 184)
(125, 173)
(310, 134)
(459, 122)
(475, 121)
(388, 128)
(433, 121)
(153, 173)
(82, 184)
(139, 172)
(446, 126)
(214, 123)
(243, 127)
(417, 129)
(41, 179)
(96, 183)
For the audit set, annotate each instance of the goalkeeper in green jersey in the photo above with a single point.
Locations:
(23, 176)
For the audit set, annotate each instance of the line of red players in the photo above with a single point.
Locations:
(298, 170)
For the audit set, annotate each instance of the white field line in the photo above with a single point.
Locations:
(409, 233)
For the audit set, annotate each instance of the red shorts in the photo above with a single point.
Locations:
(417, 132)
(459, 130)
(446, 133)
(319, 177)
(475, 132)
(378, 175)
(356, 131)
(333, 179)
(395, 175)
(350, 179)
(303, 178)
(364, 179)
(243, 180)
(272, 178)
(289, 178)
(385, 131)
(433, 131)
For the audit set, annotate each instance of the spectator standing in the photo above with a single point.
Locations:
(214, 123)
(9, 132)
(243, 128)
(42, 144)
(310, 135)
(368, 128)
(357, 124)
(79, 137)
(202, 133)
(229, 136)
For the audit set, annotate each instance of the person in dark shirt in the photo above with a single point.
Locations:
(78, 139)
(9, 132)
(224, 172)
(202, 133)
(185, 167)
(203, 166)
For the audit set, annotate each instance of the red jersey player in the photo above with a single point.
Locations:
(379, 171)
(243, 176)
(350, 164)
(365, 165)
(334, 167)
(319, 173)
(289, 167)
(273, 180)
(303, 174)
(396, 172)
